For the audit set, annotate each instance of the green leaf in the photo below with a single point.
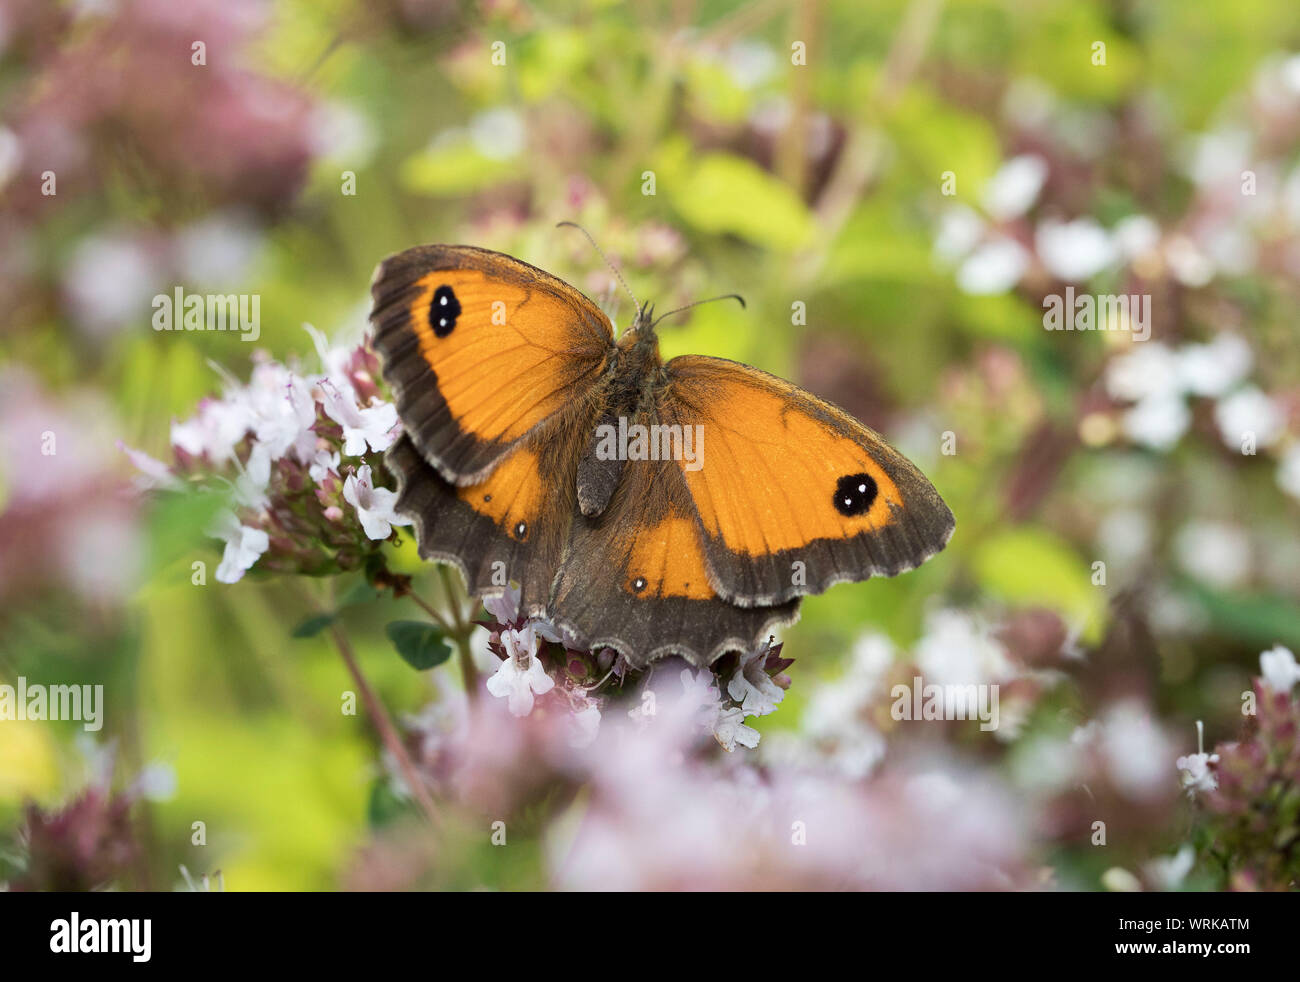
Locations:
(722, 193)
(1255, 618)
(421, 645)
(454, 168)
(1029, 566)
(313, 625)
(179, 523)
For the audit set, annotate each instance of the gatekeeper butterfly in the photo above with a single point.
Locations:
(650, 507)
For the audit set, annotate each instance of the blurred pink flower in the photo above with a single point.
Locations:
(68, 518)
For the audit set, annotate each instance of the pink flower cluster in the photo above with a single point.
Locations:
(300, 455)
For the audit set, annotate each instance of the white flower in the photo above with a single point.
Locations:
(546, 630)
(504, 608)
(11, 155)
(282, 412)
(1214, 552)
(1145, 370)
(1249, 411)
(1135, 236)
(109, 279)
(960, 230)
(1136, 750)
(375, 425)
(153, 472)
(521, 675)
(1125, 535)
(1219, 156)
(752, 687)
(701, 701)
(254, 478)
(244, 545)
(322, 464)
(957, 649)
(1196, 773)
(498, 134)
(1212, 369)
(837, 715)
(341, 132)
(1168, 872)
(1157, 422)
(871, 658)
(1279, 668)
(334, 361)
(374, 505)
(1288, 471)
(157, 782)
(750, 63)
(1074, 250)
(219, 250)
(699, 688)
(584, 725)
(214, 431)
(1189, 264)
(730, 729)
(994, 267)
(1015, 187)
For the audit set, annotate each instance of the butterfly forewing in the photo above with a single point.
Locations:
(480, 349)
(791, 493)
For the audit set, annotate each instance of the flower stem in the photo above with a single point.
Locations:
(467, 668)
(433, 612)
(464, 627)
(387, 732)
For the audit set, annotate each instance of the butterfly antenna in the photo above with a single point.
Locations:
(726, 296)
(612, 268)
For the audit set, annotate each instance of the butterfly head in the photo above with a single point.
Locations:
(640, 335)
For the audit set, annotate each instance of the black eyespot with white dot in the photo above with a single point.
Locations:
(521, 530)
(638, 584)
(855, 494)
(444, 308)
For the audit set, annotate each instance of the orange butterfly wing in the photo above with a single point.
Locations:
(480, 349)
(792, 494)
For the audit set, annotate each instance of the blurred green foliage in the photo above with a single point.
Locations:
(209, 680)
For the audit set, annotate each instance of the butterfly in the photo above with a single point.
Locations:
(652, 507)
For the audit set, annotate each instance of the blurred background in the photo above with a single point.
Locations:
(895, 192)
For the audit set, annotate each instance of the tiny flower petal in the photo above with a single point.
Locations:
(730, 730)
(1196, 773)
(520, 675)
(374, 505)
(1279, 668)
(244, 545)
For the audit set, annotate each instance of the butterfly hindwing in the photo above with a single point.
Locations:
(791, 493)
(480, 349)
(508, 528)
(636, 578)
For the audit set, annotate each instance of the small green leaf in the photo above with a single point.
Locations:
(1035, 567)
(721, 193)
(421, 645)
(313, 625)
(1255, 618)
